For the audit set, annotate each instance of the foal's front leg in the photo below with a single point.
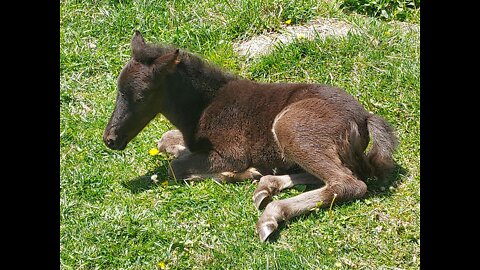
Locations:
(195, 166)
(172, 143)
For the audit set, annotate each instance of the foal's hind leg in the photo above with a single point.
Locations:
(309, 134)
(270, 185)
(340, 185)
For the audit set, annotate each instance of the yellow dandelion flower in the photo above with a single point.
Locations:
(289, 21)
(164, 183)
(161, 265)
(153, 152)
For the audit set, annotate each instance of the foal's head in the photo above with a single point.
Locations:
(140, 89)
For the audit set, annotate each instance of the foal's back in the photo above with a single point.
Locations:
(239, 120)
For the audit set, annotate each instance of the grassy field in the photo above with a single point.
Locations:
(112, 216)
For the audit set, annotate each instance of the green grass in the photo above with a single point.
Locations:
(403, 10)
(113, 217)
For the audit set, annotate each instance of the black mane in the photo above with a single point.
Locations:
(204, 76)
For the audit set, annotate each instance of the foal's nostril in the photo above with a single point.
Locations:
(109, 139)
(110, 142)
(113, 141)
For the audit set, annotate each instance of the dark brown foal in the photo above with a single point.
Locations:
(232, 129)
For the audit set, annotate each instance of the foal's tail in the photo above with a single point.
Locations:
(384, 142)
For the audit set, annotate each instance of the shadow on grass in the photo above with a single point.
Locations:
(142, 183)
(139, 184)
(378, 188)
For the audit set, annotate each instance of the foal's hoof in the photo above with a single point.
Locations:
(261, 199)
(256, 175)
(265, 229)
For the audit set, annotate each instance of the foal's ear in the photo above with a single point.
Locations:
(137, 43)
(167, 62)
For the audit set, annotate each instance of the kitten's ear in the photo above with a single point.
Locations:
(167, 62)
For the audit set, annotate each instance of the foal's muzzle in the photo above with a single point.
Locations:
(113, 141)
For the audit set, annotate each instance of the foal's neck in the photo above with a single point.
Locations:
(190, 89)
(204, 79)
